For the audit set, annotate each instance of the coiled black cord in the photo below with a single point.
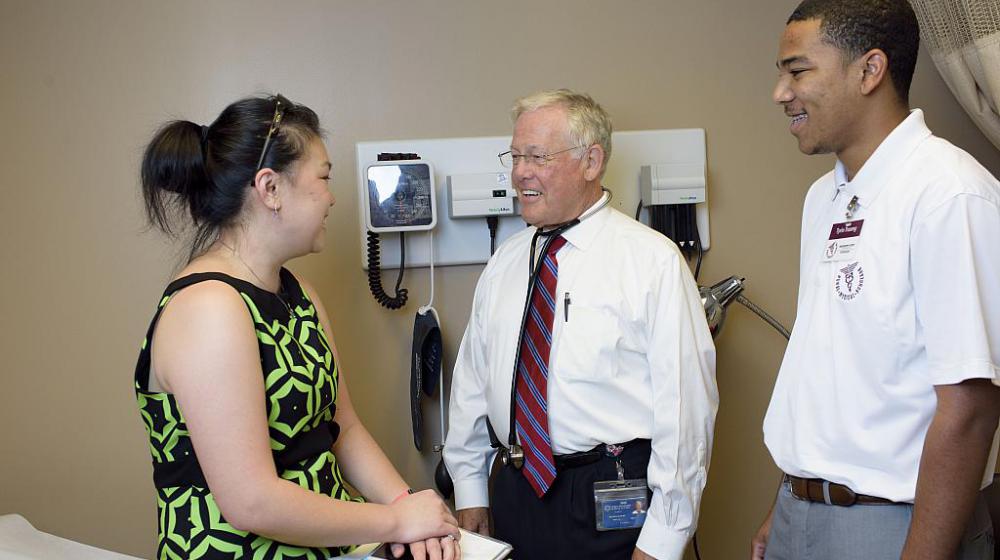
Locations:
(375, 274)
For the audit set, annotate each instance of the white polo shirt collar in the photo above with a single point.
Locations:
(878, 170)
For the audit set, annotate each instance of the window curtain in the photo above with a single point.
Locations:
(963, 37)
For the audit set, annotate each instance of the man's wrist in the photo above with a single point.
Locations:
(662, 543)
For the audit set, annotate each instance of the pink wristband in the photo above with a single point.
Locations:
(403, 495)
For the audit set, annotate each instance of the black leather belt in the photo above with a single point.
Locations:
(570, 460)
(830, 493)
(573, 460)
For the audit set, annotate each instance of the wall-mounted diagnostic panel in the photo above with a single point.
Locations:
(471, 189)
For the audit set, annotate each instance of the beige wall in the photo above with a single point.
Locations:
(86, 83)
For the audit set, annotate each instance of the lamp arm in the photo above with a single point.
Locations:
(763, 315)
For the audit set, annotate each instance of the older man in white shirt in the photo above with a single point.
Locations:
(588, 354)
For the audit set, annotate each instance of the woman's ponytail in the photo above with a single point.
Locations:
(174, 164)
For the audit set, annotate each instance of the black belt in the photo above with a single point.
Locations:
(573, 460)
(583, 458)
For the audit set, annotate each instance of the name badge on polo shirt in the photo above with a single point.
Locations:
(844, 241)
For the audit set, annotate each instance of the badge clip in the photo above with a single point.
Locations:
(852, 207)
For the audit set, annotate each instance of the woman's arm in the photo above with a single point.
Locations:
(361, 459)
(205, 353)
(364, 463)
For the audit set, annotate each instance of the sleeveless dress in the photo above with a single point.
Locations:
(300, 382)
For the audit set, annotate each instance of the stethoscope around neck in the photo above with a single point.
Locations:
(513, 455)
(551, 234)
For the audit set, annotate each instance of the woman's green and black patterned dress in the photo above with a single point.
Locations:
(300, 380)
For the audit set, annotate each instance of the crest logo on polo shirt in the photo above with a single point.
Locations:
(849, 282)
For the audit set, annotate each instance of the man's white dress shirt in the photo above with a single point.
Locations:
(916, 303)
(631, 358)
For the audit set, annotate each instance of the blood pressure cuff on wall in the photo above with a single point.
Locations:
(425, 368)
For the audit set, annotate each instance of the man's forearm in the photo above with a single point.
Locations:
(951, 469)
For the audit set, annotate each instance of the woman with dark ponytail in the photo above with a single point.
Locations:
(249, 417)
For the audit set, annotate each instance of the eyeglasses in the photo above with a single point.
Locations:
(509, 159)
(281, 104)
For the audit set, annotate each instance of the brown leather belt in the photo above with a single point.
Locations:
(830, 493)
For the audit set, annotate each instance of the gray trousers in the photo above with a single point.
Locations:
(802, 530)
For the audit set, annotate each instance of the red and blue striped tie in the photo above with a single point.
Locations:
(531, 414)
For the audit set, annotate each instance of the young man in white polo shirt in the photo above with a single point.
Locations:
(884, 411)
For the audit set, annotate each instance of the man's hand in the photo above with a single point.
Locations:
(638, 554)
(475, 519)
(758, 545)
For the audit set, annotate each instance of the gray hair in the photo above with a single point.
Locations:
(588, 122)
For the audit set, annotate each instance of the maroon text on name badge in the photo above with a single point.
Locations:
(846, 229)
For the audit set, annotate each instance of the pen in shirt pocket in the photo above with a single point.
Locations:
(566, 302)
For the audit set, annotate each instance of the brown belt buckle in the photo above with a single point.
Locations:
(823, 491)
(852, 497)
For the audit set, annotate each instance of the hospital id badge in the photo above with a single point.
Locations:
(621, 504)
(844, 241)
